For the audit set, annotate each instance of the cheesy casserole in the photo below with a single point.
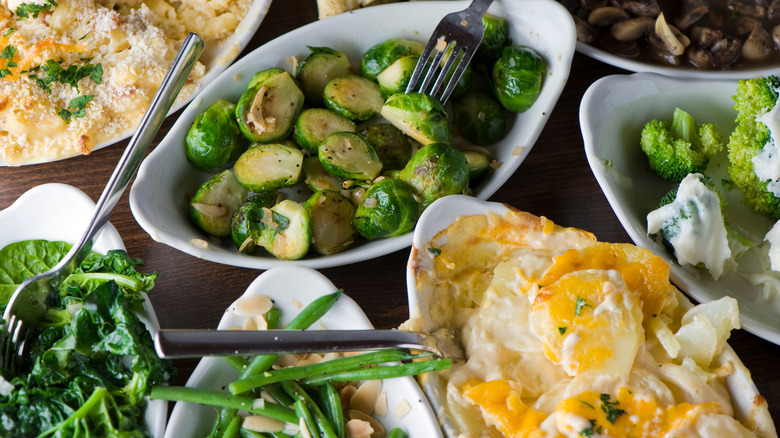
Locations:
(77, 73)
(566, 336)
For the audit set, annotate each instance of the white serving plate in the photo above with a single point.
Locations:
(59, 212)
(613, 111)
(216, 58)
(445, 211)
(159, 198)
(634, 65)
(290, 287)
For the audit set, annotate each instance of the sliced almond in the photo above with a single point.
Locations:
(366, 396)
(381, 408)
(402, 408)
(263, 424)
(379, 430)
(358, 429)
(346, 394)
(254, 305)
(249, 324)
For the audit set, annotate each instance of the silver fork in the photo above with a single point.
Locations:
(28, 302)
(459, 34)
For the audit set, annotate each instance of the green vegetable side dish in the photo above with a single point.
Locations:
(339, 128)
(214, 140)
(269, 106)
(388, 209)
(331, 215)
(301, 395)
(517, 77)
(76, 380)
(679, 147)
(752, 138)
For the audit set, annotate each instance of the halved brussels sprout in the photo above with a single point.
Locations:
(269, 106)
(318, 68)
(314, 125)
(388, 209)
(347, 155)
(317, 178)
(436, 170)
(517, 77)
(354, 97)
(285, 230)
(392, 146)
(495, 39)
(245, 221)
(380, 56)
(331, 215)
(479, 165)
(214, 140)
(480, 118)
(396, 77)
(215, 201)
(268, 167)
(419, 116)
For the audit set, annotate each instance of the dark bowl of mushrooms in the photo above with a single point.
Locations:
(726, 39)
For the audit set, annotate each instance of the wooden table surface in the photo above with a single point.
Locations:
(554, 181)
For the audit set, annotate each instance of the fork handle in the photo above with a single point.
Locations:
(133, 155)
(196, 343)
(479, 7)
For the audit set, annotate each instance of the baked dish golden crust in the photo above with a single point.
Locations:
(77, 73)
(566, 336)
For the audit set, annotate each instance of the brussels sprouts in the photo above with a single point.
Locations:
(480, 117)
(495, 39)
(245, 221)
(392, 146)
(269, 106)
(419, 116)
(396, 77)
(347, 155)
(214, 202)
(317, 178)
(331, 215)
(354, 97)
(436, 170)
(314, 125)
(479, 165)
(285, 230)
(268, 167)
(214, 140)
(387, 209)
(517, 77)
(379, 57)
(318, 68)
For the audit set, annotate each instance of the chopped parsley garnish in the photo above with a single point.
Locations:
(609, 408)
(580, 304)
(5, 72)
(26, 10)
(85, 35)
(588, 431)
(71, 75)
(434, 251)
(8, 53)
(9, 31)
(562, 330)
(79, 104)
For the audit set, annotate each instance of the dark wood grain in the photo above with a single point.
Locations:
(555, 181)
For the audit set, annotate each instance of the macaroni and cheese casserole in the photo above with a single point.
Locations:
(78, 73)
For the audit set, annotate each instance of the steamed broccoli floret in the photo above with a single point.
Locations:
(754, 98)
(677, 148)
(691, 221)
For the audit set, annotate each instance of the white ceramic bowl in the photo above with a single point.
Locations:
(159, 198)
(290, 286)
(613, 111)
(216, 58)
(445, 211)
(59, 212)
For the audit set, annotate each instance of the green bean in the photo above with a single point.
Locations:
(221, 399)
(328, 367)
(396, 433)
(299, 393)
(330, 401)
(233, 427)
(308, 316)
(303, 412)
(278, 394)
(381, 372)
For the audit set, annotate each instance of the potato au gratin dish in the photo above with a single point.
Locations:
(566, 336)
(78, 73)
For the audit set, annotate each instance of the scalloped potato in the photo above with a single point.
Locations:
(566, 336)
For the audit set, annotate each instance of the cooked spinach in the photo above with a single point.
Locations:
(91, 361)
